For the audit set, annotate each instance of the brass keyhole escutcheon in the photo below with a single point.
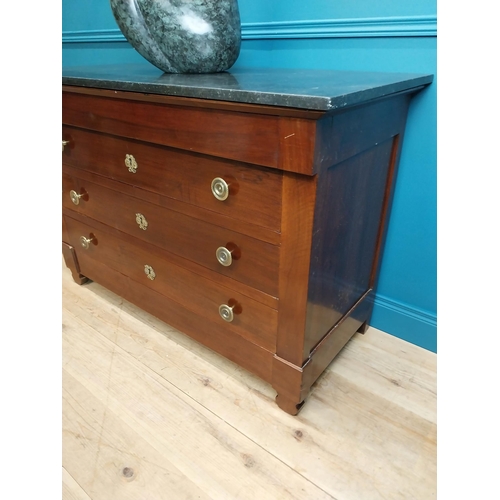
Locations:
(131, 163)
(150, 272)
(141, 221)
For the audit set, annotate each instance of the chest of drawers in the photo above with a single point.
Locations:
(250, 219)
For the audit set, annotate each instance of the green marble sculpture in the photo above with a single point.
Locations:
(182, 36)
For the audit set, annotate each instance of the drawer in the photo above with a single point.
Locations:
(249, 318)
(254, 193)
(247, 137)
(254, 262)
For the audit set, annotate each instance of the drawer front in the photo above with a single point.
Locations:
(249, 319)
(239, 350)
(254, 262)
(254, 194)
(237, 136)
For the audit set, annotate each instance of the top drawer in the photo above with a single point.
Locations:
(254, 193)
(247, 137)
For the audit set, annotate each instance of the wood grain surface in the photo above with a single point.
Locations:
(149, 413)
(252, 320)
(191, 238)
(226, 134)
(255, 193)
(306, 235)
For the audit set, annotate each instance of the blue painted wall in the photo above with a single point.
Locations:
(388, 35)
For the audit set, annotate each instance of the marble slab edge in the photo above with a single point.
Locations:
(298, 101)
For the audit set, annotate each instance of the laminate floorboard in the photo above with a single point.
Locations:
(149, 414)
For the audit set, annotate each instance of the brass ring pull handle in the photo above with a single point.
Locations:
(220, 188)
(226, 255)
(150, 272)
(75, 197)
(228, 311)
(131, 163)
(85, 242)
(64, 143)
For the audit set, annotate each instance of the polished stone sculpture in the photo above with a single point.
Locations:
(182, 36)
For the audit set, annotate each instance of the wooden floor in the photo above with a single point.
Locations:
(149, 414)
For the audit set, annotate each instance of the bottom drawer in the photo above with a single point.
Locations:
(242, 352)
(205, 298)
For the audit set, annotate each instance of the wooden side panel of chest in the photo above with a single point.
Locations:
(334, 227)
(322, 185)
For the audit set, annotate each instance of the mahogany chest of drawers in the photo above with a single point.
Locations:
(250, 219)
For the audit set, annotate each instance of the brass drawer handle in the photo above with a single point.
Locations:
(220, 188)
(226, 312)
(141, 221)
(85, 242)
(226, 255)
(64, 143)
(150, 272)
(131, 163)
(75, 197)
(229, 310)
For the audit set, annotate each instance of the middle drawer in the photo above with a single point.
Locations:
(245, 259)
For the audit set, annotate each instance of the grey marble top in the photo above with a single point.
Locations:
(305, 89)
